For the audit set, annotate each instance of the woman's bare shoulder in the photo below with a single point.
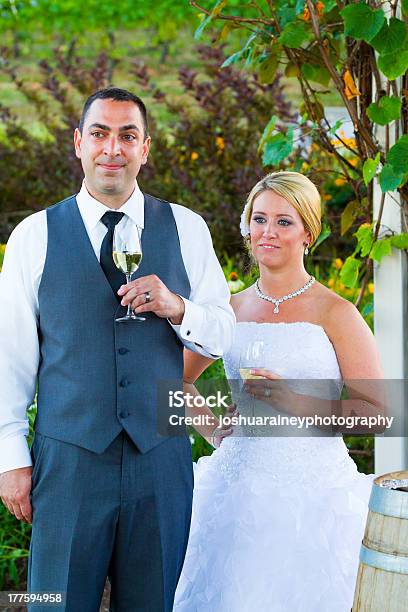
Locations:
(241, 297)
(335, 311)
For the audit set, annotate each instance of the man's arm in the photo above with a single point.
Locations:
(19, 357)
(205, 322)
(208, 323)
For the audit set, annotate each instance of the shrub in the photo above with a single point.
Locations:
(207, 158)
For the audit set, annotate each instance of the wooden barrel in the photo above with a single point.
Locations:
(382, 581)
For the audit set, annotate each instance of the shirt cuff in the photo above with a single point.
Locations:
(192, 322)
(14, 454)
(190, 330)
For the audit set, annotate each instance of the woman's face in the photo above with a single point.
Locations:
(278, 236)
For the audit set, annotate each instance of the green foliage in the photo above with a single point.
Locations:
(362, 451)
(14, 544)
(365, 239)
(214, 13)
(278, 147)
(362, 22)
(349, 215)
(394, 65)
(370, 168)
(15, 539)
(316, 73)
(391, 37)
(398, 155)
(268, 66)
(400, 241)
(350, 271)
(389, 179)
(349, 41)
(294, 34)
(324, 234)
(380, 248)
(70, 17)
(387, 109)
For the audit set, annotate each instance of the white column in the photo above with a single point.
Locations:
(390, 328)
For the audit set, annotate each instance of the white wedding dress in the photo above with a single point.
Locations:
(277, 522)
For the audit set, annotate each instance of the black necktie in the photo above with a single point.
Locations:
(115, 277)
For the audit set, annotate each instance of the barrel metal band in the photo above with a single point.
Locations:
(384, 561)
(389, 502)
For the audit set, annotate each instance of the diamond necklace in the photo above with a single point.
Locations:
(278, 301)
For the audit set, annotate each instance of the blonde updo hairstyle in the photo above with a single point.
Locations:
(298, 190)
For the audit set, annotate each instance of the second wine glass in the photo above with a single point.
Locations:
(127, 256)
(252, 356)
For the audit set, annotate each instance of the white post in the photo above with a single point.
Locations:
(390, 313)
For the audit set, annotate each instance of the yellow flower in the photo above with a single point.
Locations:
(194, 156)
(371, 288)
(219, 141)
(339, 182)
(305, 166)
(2, 249)
(233, 276)
(353, 161)
(327, 197)
(338, 263)
(331, 283)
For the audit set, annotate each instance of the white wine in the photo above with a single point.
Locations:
(245, 374)
(127, 262)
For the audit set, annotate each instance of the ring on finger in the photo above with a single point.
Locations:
(147, 297)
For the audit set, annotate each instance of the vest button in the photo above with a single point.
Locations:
(123, 414)
(123, 351)
(188, 332)
(124, 383)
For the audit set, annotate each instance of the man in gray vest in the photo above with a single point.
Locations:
(107, 495)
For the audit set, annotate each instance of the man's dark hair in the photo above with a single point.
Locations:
(120, 95)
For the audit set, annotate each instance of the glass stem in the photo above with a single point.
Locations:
(129, 310)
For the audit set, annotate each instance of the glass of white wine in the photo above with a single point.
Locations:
(127, 255)
(252, 356)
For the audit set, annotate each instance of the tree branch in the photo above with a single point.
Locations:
(235, 18)
(338, 81)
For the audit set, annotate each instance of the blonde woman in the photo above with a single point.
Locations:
(278, 520)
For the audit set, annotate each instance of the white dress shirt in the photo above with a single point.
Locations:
(207, 326)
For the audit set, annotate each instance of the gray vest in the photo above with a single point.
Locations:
(96, 376)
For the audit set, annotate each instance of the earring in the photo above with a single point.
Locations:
(307, 249)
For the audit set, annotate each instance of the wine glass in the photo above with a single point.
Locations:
(252, 356)
(127, 256)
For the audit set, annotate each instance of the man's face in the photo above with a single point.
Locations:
(112, 147)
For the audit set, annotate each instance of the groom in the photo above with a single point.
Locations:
(107, 495)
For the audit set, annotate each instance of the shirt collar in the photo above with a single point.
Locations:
(92, 210)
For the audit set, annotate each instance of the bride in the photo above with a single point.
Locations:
(278, 521)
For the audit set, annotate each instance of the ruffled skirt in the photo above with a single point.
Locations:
(276, 527)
